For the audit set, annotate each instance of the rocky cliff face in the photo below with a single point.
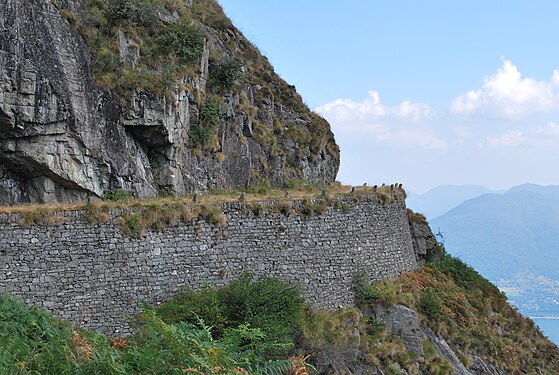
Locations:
(148, 96)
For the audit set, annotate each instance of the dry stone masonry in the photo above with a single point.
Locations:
(97, 275)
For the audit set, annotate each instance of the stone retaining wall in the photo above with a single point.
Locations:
(96, 275)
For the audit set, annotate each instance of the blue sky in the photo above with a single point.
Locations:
(422, 92)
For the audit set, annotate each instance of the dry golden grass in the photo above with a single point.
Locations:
(301, 193)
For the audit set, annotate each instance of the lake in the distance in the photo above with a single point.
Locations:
(549, 327)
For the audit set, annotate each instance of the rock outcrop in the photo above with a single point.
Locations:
(425, 244)
(97, 96)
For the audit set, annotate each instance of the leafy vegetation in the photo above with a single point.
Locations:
(225, 73)
(365, 293)
(275, 307)
(33, 342)
(181, 39)
(203, 135)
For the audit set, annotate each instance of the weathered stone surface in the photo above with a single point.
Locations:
(480, 367)
(424, 242)
(96, 275)
(64, 138)
(404, 323)
(446, 352)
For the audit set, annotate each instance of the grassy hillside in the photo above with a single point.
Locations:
(473, 316)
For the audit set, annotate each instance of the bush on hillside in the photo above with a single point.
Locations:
(183, 39)
(224, 74)
(266, 303)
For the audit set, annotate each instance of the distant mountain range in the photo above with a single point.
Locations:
(508, 236)
(439, 200)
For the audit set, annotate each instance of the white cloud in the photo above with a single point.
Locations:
(509, 95)
(371, 109)
(511, 138)
(397, 123)
(551, 130)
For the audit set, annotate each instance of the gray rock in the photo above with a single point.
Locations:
(424, 242)
(446, 352)
(480, 367)
(63, 138)
(404, 323)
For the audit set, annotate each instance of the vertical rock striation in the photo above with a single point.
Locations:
(68, 132)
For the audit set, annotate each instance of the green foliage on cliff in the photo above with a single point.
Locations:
(365, 293)
(181, 39)
(162, 40)
(224, 74)
(203, 135)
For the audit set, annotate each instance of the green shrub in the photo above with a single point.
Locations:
(134, 224)
(224, 74)
(117, 195)
(269, 304)
(182, 39)
(210, 113)
(142, 12)
(190, 306)
(365, 292)
(431, 304)
(201, 136)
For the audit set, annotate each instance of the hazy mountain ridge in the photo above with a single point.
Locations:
(505, 236)
(441, 199)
